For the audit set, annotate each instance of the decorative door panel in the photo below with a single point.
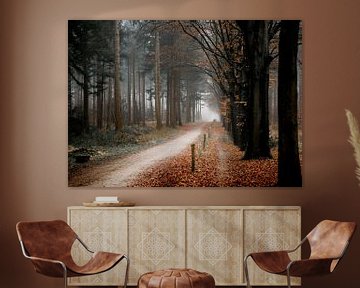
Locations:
(156, 240)
(269, 230)
(214, 244)
(100, 230)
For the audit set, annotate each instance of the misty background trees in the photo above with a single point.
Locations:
(244, 73)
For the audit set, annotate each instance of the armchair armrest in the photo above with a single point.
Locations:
(298, 246)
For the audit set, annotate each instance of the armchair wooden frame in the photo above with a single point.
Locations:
(328, 242)
(60, 263)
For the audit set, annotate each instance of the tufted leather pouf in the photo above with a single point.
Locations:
(176, 278)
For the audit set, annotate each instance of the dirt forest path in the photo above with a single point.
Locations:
(219, 164)
(123, 171)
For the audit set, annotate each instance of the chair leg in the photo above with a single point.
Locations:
(65, 275)
(288, 278)
(126, 271)
(246, 272)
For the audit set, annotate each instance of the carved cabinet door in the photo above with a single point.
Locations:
(101, 230)
(156, 240)
(268, 230)
(214, 244)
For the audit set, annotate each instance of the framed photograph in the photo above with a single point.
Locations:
(190, 103)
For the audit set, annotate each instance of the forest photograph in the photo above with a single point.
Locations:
(185, 103)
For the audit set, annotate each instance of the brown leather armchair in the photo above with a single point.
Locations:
(48, 245)
(328, 242)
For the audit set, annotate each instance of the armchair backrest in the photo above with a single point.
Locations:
(46, 239)
(329, 239)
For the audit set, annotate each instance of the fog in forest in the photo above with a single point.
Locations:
(234, 87)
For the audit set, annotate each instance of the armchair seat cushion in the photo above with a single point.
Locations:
(272, 262)
(99, 262)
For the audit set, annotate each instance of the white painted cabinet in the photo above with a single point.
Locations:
(210, 239)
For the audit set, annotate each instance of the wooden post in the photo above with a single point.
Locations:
(192, 157)
(204, 143)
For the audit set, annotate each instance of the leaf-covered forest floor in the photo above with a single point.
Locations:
(219, 164)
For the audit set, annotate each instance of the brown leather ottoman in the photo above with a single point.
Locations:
(176, 278)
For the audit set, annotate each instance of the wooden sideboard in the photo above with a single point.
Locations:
(212, 239)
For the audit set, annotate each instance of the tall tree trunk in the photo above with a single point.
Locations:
(79, 98)
(188, 102)
(178, 99)
(69, 95)
(289, 162)
(235, 132)
(234, 97)
(168, 92)
(135, 109)
(139, 98)
(157, 82)
(143, 105)
(86, 99)
(129, 90)
(99, 93)
(162, 105)
(273, 105)
(242, 91)
(194, 107)
(94, 97)
(118, 112)
(108, 106)
(172, 98)
(256, 52)
(151, 106)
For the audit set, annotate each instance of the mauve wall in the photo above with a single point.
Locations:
(33, 113)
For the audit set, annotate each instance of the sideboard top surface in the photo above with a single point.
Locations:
(193, 207)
